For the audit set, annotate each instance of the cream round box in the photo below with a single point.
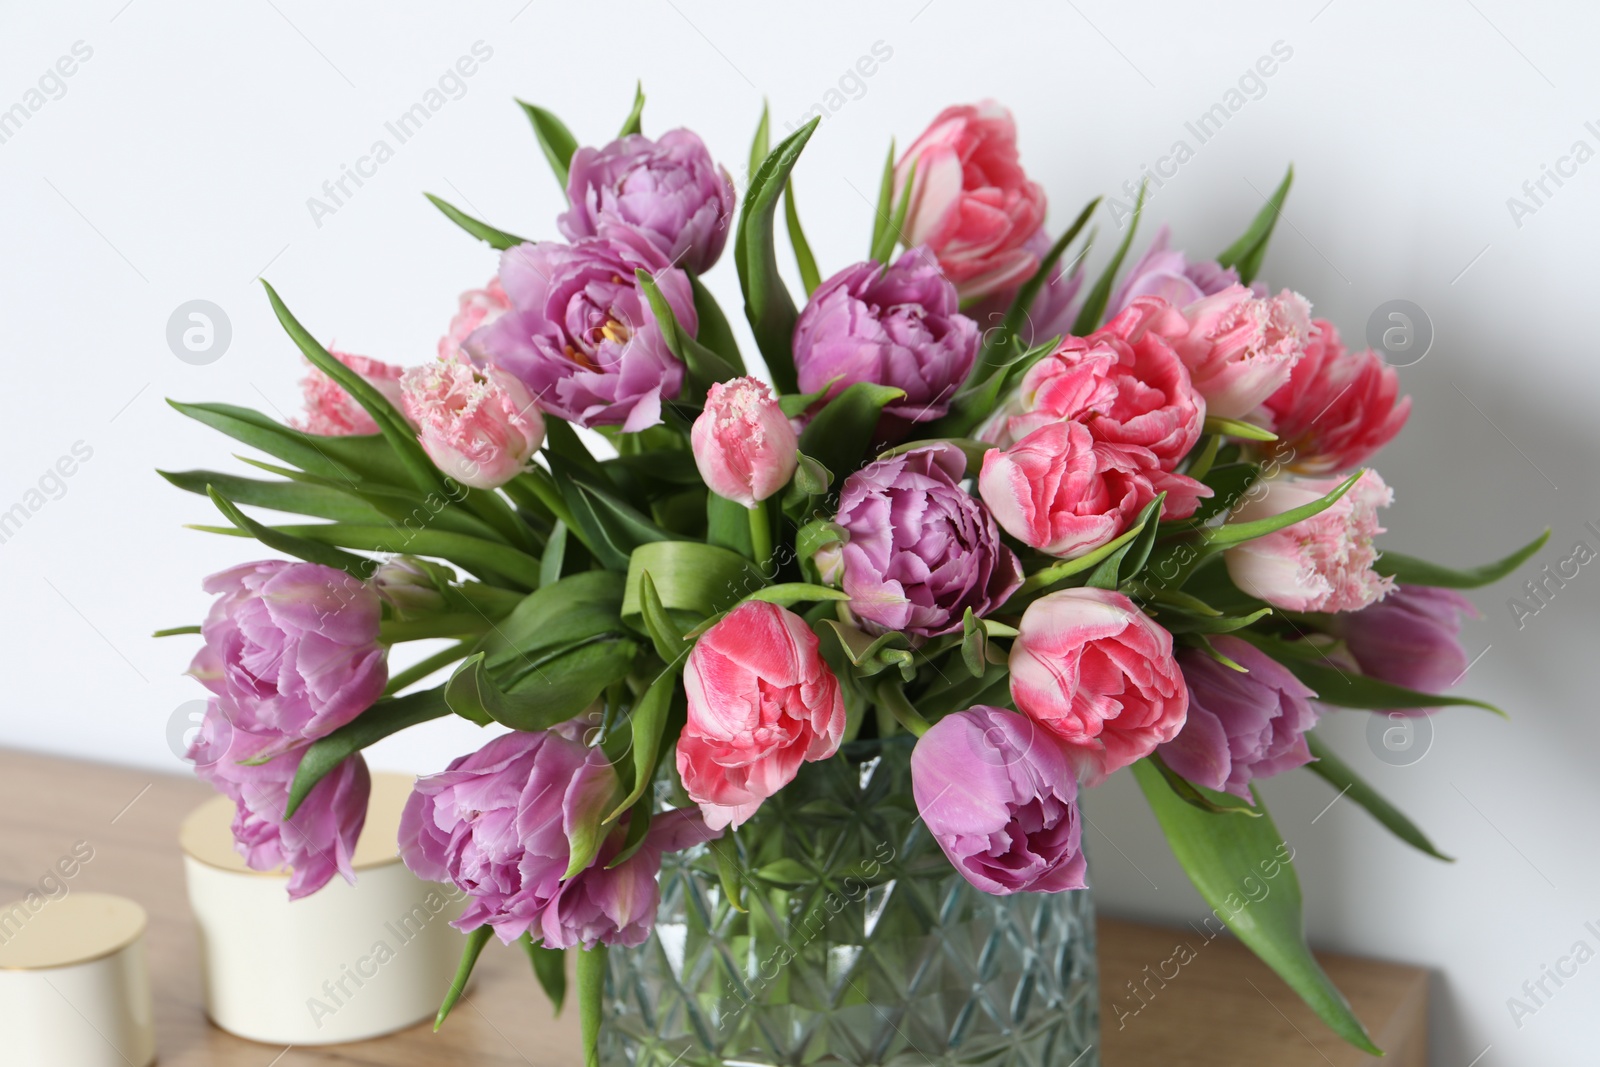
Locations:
(74, 983)
(346, 963)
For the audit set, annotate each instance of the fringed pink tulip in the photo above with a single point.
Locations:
(477, 307)
(743, 443)
(1240, 348)
(478, 424)
(332, 412)
(1323, 563)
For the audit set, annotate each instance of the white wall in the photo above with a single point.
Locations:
(178, 163)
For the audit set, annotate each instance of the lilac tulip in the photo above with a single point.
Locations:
(291, 649)
(1241, 726)
(920, 549)
(1411, 637)
(999, 796)
(668, 190)
(617, 906)
(580, 334)
(896, 325)
(1171, 276)
(319, 840)
(497, 824)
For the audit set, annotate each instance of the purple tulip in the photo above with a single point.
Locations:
(1241, 726)
(920, 549)
(1169, 275)
(1053, 310)
(898, 326)
(618, 906)
(580, 334)
(999, 796)
(1411, 637)
(291, 649)
(497, 824)
(319, 840)
(669, 191)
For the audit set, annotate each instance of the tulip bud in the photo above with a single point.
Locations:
(478, 425)
(743, 443)
(412, 587)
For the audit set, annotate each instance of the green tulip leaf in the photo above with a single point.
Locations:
(767, 303)
(1094, 305)
(632, 124)
(804, 260)
(478, 938)
(1250, 249)
(387, 716)
(1333, 770)
(498, 239)
(1409, 571)
(1237, 428)
(1224, 856)
(692, 578)
(555, 140)
(840, 434)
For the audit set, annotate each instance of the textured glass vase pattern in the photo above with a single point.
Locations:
(859, 946)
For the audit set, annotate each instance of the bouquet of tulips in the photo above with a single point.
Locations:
(1052, 529)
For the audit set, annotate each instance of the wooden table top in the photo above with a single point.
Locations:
(1225, 1008)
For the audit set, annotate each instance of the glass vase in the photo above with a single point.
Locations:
(859, 945)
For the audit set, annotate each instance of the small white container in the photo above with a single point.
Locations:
(347, 963)
(74, 983)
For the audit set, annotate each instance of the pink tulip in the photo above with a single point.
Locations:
(1323, 563)
(604, 905)
(761, 702)
(478, 425)
(1064, 493)
(477, 307)
(319, 841)
(999, 796)
(971, 202)
(743, 443)
(1096, 672)
(332, 412)
(1124, 382)
(1240, 348)
(1338, 407)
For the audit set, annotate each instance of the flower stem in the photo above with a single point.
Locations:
(422, 668)
(761, 538)
(891, 697)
